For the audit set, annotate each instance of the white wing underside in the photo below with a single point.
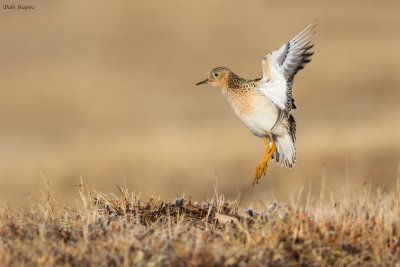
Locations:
(280, 66)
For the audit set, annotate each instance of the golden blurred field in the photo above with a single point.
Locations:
(106, 91)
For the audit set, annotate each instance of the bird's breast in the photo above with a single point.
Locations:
(255, 110)
(244, 102)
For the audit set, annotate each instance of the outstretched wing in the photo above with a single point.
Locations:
(280, 67)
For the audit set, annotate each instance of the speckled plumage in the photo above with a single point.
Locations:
(265, 104)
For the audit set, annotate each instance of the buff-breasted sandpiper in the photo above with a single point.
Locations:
(265, 104)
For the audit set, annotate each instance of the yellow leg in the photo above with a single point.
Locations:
(259, 169)
(262, 166)
(272, 151)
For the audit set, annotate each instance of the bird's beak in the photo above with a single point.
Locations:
(202, 82)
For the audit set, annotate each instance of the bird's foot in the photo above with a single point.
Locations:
(262, 166)
(260, 170)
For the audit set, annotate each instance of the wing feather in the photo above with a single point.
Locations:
(280, 67)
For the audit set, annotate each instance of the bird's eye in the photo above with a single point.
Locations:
(215, 74)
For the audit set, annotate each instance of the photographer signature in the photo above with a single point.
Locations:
(18, 7)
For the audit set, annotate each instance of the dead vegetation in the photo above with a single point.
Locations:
(112, 230)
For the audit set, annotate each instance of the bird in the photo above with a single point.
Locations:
(265, 104)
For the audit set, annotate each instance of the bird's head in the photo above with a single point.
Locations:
(219, 78)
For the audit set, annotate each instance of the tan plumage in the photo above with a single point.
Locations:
(264, 104)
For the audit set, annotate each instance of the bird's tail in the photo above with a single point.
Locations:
(285, 146)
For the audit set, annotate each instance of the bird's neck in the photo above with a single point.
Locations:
(234, 81)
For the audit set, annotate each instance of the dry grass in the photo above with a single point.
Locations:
(108, 230)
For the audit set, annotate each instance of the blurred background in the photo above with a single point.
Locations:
(105, 91)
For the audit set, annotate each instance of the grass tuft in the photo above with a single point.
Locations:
(106, 229)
